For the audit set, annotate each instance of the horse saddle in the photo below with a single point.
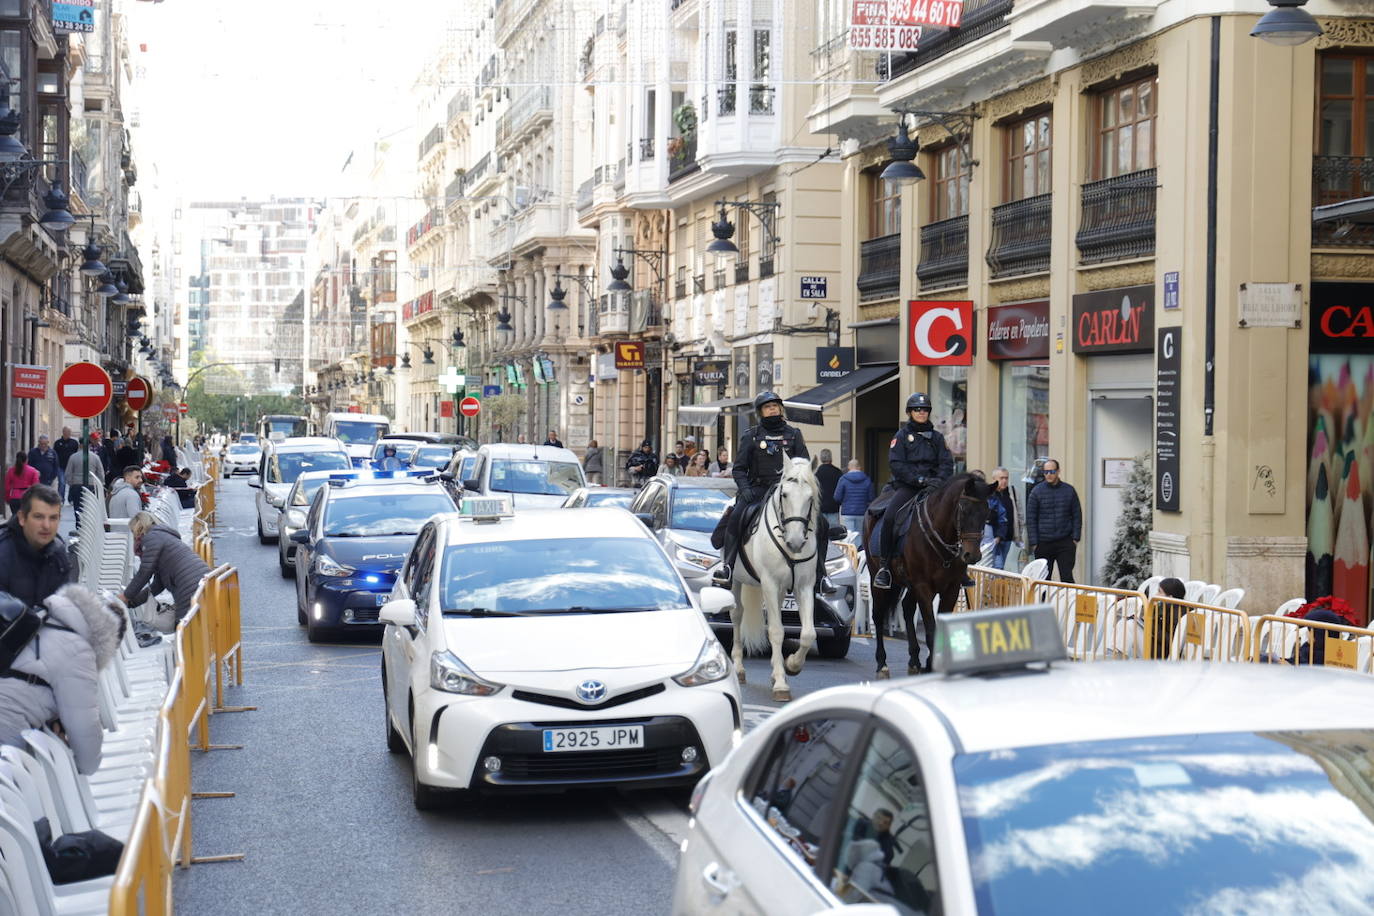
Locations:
(904, 517)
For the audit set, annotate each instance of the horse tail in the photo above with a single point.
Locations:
(753, 627)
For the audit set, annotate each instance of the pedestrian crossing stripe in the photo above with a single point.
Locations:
(755, 714)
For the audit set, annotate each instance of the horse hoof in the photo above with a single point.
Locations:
(782, 696)
(912, 670)
(792, 669)
(740, 674)
(884, 674)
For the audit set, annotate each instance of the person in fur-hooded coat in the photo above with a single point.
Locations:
(81, 637)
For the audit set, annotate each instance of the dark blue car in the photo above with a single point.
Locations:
(356, 536)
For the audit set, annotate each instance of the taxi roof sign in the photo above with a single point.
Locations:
(999, 639)
(486, 508)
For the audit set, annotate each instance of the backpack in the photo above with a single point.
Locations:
(18, 626)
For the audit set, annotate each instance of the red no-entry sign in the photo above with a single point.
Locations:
(183, 407)
(84, 390)
(137, 394)
(470, 407)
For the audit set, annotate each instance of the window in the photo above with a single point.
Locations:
(761, 93)
(886, 848)
(951, 183)
(800, 779)
(1028, 158)
(884, 207)
(1126, 128)
(1345, 126)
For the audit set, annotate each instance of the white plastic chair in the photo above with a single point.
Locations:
(1147, 588)
(1230, 598)
(1036, 569)
(79, 808)
(1289, 606)
(1209, 593)
(1192, 589)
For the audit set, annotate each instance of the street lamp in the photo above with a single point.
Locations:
(107, 287)
(722, 229)
(505, 333)
(618, 274)
(902, 150)
(1287, 24)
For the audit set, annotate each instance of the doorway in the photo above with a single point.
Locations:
(1122, 428)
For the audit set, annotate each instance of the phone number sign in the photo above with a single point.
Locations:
(895, 25)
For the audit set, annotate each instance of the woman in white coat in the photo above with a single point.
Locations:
(54, 678)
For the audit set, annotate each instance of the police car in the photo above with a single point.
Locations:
(550, 649)
(294, 508)
(1013, 785)
(356, 535)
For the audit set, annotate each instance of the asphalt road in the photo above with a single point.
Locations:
(323, 811)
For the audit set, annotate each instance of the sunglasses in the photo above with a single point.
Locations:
(1051, 470)
(921, 409)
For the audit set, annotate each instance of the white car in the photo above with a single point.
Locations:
(548, 649)
(241, 458)
(1090, 787)
(282, 461)
(532, 476)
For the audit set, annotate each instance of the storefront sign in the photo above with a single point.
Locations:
(1269, 305)
(1168, 365)
(1171, 299)
(833, 363)
(73, 16)
(1114, 321)
(1342, 318)
(490, 391)
(629, 354)
(538, 370)
(712, 372)
(29, 381)
(1020, 331)
(814, 288)
(939, 333)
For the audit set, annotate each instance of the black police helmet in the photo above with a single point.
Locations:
(918, 400)
(766, 397)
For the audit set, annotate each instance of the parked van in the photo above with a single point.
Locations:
(357, 432)
(535, 476)
(274, 427)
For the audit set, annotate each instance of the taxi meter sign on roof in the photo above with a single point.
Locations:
(999, 639)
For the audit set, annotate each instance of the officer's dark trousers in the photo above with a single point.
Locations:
(901, 495)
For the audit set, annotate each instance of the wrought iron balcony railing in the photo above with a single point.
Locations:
(880, 267)
(1020, 237)
(1338, 178)
(1118, 219)
(944, 253)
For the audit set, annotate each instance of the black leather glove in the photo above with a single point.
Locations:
(746, 495)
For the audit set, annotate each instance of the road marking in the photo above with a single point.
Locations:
(660, 824)
(755, 714)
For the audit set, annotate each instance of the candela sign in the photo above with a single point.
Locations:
(1114, 321)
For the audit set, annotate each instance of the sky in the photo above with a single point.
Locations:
(240, 98)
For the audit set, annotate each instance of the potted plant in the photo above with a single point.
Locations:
(685, 118)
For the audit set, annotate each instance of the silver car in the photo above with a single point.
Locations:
(282, 462)
(682, 512)
(293, 511)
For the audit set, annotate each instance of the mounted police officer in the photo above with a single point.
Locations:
(920, 461)
(757, 467)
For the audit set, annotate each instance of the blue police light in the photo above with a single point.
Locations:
(997, 640)
(372, 579)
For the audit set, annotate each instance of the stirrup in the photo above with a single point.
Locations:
(883, 579)
(825, 587)
(722, 576)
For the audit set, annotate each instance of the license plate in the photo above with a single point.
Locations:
(602, 738)
(382, 599)
(789, 603)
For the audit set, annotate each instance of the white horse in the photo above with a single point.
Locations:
(782, 554)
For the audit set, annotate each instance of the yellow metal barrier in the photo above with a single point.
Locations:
(228, 635)
(1097, 623)
(172, 777)
(1189, 631)
(143, 882)
(994, 588)
(1282, 640)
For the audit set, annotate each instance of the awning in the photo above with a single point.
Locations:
(807, 406)
(1359, 211)
(706, 414)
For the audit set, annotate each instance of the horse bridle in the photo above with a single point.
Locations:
(776, 531)
(949, 548)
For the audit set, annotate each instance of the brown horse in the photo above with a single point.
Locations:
(944, 538)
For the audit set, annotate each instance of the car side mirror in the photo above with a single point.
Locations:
(255, 482)
(295, 518)
(838, 532)
(398, 613)
(646, 518)
(714, 600)
(300, 537)
(472, 484)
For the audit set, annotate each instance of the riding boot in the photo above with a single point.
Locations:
(723, 577)
(824, 587)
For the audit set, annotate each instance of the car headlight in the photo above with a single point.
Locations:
(836, 566)
(695, 557)
(712, 665)
(450, 675)
(325, 566)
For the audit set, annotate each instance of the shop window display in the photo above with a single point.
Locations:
(1025, 420)
(949, 398)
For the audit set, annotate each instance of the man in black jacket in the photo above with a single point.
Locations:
(65, 447)
(920, 461)
(643, 464)
(828, 476)
(1054, 522)
(757, 467)
(33, 559)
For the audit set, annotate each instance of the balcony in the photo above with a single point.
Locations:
(613, 316)
(475, 174)
(1118, 220)
(1061, 22)
(765, 266)
(680, 288)
(460, 104)
(944, 253)
(645, 311)
(453, 192)
(742, 271)
(718, 279)
(980, 19)
(682, 161)
(529, 112)
(584, 194)
(431, 140)
(1020, 237)
(1338, 178)
(880, 267)
(416, 233)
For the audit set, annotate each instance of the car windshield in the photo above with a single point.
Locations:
(698, 509)
(244, 450)
(363, 514)
(548, 478)
(359, 432)
(285, 467)
(404, 450)
(1266, 822)
(432, 456)
(582, 575)
(602, 498)
(305, 490)
(288, 426)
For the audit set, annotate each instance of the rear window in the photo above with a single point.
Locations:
(1265, 822)
(548, 478)
(285, 467)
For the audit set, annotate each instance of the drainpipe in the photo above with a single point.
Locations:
(1209, 404)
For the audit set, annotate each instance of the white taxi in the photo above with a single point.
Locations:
(1009, 786)
(553, 648)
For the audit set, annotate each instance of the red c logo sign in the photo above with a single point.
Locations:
(940, 333)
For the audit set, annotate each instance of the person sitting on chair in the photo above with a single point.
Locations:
(920, 461)
(758, 466)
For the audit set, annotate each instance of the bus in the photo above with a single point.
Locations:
(357, 432)
(275, 426)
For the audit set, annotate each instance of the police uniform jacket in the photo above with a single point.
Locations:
(919, 457)
(759, 458)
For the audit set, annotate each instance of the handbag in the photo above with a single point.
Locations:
(77, 856)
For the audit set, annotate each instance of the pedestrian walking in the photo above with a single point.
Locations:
(828, 476)
(65, 447)
(18, 479)
(1002, 518)
(854, 492)
(44, 460)
(77, 488)
(1054, 522)
(593, 462)
(109, 447)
